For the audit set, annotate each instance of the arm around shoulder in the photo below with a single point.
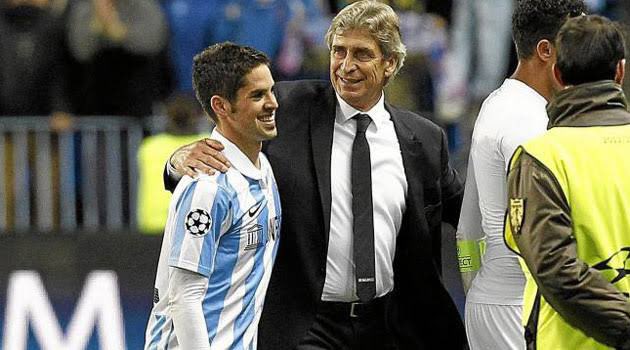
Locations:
(203, 156)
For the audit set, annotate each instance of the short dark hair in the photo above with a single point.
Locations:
(589, 48)
(221, 69)
(536, 20)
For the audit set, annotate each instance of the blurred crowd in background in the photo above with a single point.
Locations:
(72, 59)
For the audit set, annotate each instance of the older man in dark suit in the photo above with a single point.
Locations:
(364, 188)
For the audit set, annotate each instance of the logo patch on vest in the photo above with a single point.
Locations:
(617, 267)
(517, 211)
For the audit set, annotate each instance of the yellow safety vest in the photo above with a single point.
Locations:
(153, 199)
(592, 166)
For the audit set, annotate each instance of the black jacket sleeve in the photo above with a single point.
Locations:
(452, 187)
(170, 182)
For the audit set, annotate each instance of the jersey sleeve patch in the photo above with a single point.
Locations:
(198, 222)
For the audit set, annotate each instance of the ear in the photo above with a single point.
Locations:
(390, 66)
(545, 50)
(220, 106)
(557, 75)
(620, 72)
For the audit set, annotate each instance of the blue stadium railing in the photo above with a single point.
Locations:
(80, 179)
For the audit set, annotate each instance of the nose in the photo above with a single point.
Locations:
(271, 102)
(347, 64)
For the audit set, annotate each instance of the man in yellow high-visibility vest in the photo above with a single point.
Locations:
(183, 116)
(568, 204)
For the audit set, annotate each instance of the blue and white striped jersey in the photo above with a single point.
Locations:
(225, 227)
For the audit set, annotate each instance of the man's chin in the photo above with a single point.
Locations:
(348, 94)
(354, 99)
(269, 134)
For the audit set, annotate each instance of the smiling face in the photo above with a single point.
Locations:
(358, 70)
(250, 118)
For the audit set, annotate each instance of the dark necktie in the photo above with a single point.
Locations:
(363, 224)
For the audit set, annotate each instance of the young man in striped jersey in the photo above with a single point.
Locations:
(222, 232)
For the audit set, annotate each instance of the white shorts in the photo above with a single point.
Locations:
(494, 327)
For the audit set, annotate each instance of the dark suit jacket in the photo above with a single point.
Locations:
(420, 312)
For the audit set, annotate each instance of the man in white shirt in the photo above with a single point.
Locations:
(222, 231)
(512, 114)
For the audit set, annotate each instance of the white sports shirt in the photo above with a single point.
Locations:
(224, 227)
(512, 114)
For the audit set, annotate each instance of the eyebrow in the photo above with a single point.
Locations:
(354, 49)
(364, 49)
(258, 91)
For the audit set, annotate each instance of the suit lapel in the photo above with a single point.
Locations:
(412, 156)
(322, 127)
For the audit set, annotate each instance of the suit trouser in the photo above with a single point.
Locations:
(349, 326)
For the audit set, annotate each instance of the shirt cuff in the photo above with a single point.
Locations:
(172, 172)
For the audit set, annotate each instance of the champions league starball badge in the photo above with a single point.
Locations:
(617, 267)
(198, 222)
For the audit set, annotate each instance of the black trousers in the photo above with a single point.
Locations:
(349, 326)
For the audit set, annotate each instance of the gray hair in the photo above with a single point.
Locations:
(379, 20)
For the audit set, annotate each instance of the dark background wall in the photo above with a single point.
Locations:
(64, 261)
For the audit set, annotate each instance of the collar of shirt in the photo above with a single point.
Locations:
(527, 90)
(239, 160)
(378, 113)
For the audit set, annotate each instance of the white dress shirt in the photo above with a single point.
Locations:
(389, 190)
(512, 114)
